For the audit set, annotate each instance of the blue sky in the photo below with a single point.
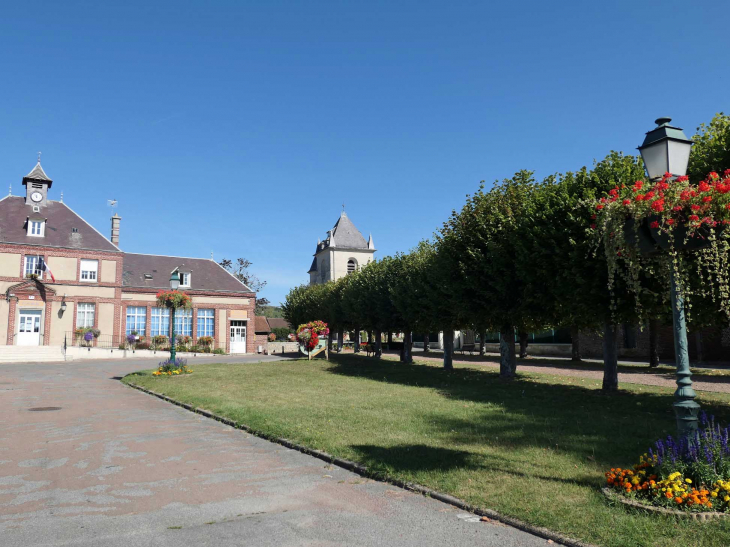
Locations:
(241, 127)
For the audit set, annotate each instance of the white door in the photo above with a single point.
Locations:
(29, 329)
(238, 337)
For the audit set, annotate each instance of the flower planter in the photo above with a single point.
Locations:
(638, 234)
(702, 516)
(649, 240)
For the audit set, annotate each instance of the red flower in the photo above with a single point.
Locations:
(704, 187)
(603, 200)
(727, 206)
(593, 217)
(627, 202)
(599, 206)
(670, 221)
(640, 197)
(683, 178)
(677, 208)
(696, 207)
(658, 206)
(613, 192)
(707, 199)
(593, 226)
(713, 175)
(694, 217)
(650, 194)
(726, 173)
(654, 224)
(638, 185)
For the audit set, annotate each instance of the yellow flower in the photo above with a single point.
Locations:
(713, 494)
(726, 498)
(688, 481)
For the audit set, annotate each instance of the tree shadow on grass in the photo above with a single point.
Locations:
(524, 413)
(415, 458)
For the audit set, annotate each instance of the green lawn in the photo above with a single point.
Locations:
(534, 448)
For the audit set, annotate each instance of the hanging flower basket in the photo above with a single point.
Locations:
(174, 299)
(309, 334)
(662, 221)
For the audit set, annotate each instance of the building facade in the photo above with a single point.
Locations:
(342, 252)
(58, 274)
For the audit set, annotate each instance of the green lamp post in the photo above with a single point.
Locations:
(174, 285)
(666, 150)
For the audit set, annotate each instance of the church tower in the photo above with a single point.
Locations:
(343, 252)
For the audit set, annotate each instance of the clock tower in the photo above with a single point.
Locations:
(36, 185)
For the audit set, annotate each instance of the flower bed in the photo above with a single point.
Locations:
(691, 474)
(173, 368)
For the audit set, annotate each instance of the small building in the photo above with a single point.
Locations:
(59, 274)
(341, 253)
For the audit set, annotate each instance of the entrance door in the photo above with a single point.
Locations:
(238, 337)
(29, 329)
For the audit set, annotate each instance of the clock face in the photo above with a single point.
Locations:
(36, 196)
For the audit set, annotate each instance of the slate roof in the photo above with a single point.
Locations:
(343, 235)
(37, 173)
(205, 274)
(59, 227)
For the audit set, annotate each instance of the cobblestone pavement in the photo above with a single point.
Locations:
(87, 461)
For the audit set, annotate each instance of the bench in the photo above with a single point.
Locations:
(471, 348)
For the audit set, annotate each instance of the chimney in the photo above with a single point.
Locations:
(116, 219)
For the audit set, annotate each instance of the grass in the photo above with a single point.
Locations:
(535, 448)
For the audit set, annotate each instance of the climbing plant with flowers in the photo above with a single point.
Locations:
(655, 222)
(690, 474)
(308, 334)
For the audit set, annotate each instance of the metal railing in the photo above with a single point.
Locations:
(155, 343)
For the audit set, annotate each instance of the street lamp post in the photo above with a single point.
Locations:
(666, 150)
(174, 285)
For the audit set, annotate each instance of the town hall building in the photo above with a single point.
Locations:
(59, 274)
(343, 252)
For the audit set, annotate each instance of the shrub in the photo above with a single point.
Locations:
(205, 341)
(272, 337)
(143, 345)
(183, 340)
(195, 348)
(280, 333)
(219, 351)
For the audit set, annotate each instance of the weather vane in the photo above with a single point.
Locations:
(112, 203)
(39, 157)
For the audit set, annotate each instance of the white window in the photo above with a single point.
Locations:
(183, 322)
(36, 228)
(33, 266)
(136, 320)
(184, 279)
(89, 269)
(351, 266)
(160, 322)
(206, 322)
(85, 315)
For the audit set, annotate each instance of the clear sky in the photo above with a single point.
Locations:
(241, 127)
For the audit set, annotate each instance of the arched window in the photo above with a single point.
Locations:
(351, 266)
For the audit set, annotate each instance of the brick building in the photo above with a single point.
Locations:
(58, 273)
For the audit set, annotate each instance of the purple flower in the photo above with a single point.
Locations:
(89, 336)
(131, 338)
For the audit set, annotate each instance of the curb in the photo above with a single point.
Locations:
(364, 472)
(699, 517)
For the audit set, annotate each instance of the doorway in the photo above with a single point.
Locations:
(238, 336)
(29, 328)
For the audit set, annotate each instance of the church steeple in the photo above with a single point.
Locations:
(36, 185)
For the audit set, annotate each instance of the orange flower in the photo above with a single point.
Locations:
(678, 499)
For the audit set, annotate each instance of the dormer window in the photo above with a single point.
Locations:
(184, 279)
(36, 228)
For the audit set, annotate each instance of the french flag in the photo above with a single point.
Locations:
(42, 266)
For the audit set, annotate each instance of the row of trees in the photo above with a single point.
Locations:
(518, 257)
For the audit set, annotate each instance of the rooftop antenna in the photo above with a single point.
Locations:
(61, 200)
(211, 255)
(10, 190)
(39, 157)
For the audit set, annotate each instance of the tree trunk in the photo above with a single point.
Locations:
(507, 361)
(482, 343)
(407, 347)
(426, 342)
(370, 337)
(356, 338)
(610, 358)
(449, 349)
(390, 339)
(330, 340)
(575, 344)
(523, 344)
(653, 343)
(340, 339)
(378, 344)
